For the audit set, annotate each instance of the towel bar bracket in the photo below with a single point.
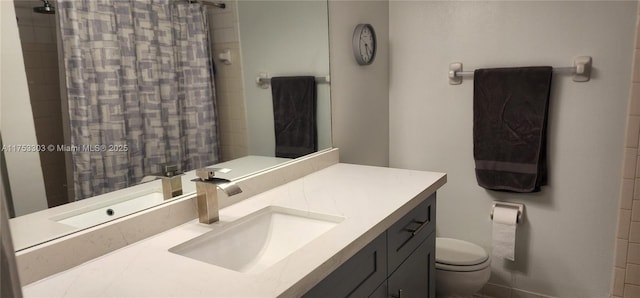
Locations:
(454, 68)
(263, 80)
(581, 70)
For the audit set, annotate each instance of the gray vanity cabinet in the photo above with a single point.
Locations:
(358, 276)
(398, 263)
(415, 277)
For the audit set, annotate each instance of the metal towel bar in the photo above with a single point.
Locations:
(263, 80)
(581, 70)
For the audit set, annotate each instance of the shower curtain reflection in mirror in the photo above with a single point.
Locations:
(140, 89)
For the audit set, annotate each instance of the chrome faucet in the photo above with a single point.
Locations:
(207, 193)
(171, 181)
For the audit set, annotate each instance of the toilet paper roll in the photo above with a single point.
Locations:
(504, 232)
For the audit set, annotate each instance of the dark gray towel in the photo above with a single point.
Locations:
(294, 114)
(510, 108)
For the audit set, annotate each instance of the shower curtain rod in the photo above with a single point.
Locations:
(220, 5)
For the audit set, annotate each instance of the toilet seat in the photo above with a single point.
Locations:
(460, 256)
(478, 267)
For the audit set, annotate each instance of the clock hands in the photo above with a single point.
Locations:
(367, 52)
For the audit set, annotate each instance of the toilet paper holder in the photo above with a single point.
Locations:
(520, 208)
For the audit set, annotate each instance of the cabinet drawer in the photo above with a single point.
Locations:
(357, 277)
(410, 231)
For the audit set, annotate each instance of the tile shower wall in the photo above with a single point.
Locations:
(223, 27)
(626, 275)
(39, 47)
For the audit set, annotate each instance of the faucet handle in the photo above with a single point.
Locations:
(169, 170)
(207, 174)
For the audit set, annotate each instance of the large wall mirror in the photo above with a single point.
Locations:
(122, 92)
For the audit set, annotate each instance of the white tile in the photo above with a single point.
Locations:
(41, 20)
(631, 291)
(618, 281)
(232, 35)
(32, 59)
(226, 45)
(27, 34)
(633, 253)
(239, 125)
(223, 20)
(634, 232)
(621, 253)
(52, 21)
(636, 189)
(233, 84)
(237, 113)
(222, 101)
(624, 223)
(633, 127)
(630, 159)
(638, 167)
(25, 16)
(626, 193)
(634, 101)
(227, 153)
(222, 35)
(635, 211)
(632, 275)
(226, 138)
(43, 35)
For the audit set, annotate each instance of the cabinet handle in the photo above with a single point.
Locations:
(423, 224)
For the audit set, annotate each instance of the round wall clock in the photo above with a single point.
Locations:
(364, 44)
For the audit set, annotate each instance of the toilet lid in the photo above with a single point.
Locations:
(459, 253)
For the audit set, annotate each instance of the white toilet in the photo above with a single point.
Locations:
(462, 268)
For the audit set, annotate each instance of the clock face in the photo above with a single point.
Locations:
(364, 44)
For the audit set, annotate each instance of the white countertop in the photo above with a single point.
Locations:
(369, 198)
(38, 227)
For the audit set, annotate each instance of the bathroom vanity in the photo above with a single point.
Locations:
(401, 261)
(369, 230)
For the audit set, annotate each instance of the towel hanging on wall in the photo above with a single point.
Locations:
(510, 107)
(294, 114)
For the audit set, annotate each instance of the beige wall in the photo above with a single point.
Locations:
(565, 246)
(271, 44)
(359, 94)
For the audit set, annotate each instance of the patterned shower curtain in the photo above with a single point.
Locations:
(140, 90)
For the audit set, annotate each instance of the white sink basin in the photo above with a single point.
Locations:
(106, 211)
(257, 241)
